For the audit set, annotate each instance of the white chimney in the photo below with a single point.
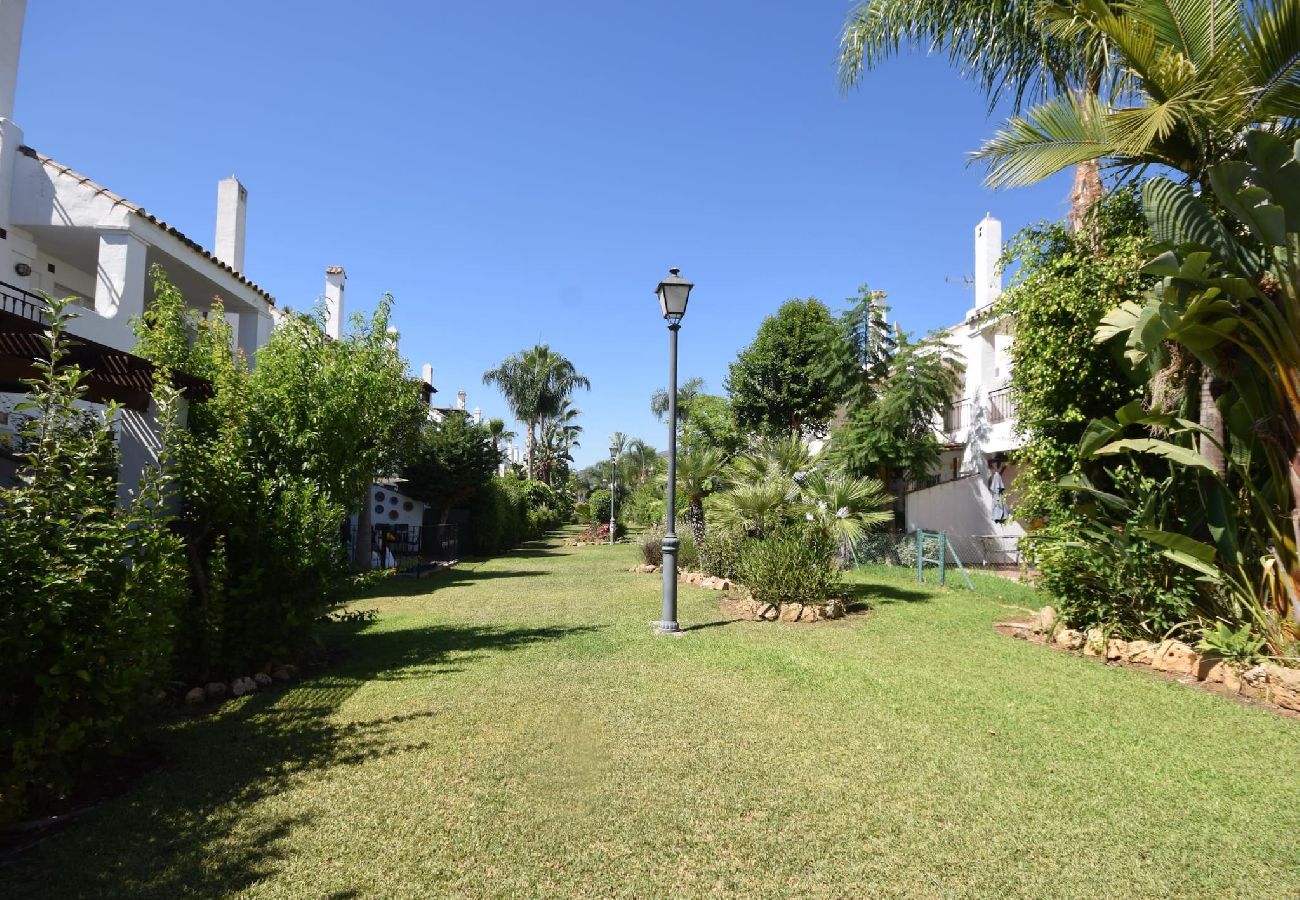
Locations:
(460, 399)
(988, 248)
(11, 41)
(232, 213)
(426, 373)
(334, 278)
(478, 416)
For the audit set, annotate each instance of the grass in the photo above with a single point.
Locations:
(514, 729)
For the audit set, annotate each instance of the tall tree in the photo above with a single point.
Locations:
(892, 436)
(1002, 45)
(1192, 79)
(1195, 77)
(535, 384)
(778, 384)
(454, 461)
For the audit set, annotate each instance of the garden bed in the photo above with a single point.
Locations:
(1272, 686)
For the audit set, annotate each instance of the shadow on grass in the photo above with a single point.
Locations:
(192, 829)
(717, 624)
(861, 596)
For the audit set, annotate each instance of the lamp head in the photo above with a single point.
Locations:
(674, 292)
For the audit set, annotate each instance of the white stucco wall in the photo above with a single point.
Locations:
(964, 509)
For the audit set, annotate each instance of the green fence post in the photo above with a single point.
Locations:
(943, 546)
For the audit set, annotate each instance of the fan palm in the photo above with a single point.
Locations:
(846, 508)
(1002, 45)
(696, 473)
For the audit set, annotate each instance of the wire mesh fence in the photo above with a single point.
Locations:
(992, 552)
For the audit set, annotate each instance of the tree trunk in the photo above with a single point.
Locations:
(531, 440)
(361, 543)
(1212, 443)
(695, 516)
(1084, 194)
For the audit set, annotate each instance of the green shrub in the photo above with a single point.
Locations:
(794, 564)
(598, 502)
(542, 520)
(645, 505)
(651, 546)
(1132, 590)
(89, 598)
(719, 552)
(582, 512)
(488, 519)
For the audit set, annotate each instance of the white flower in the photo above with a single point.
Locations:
(842, 512)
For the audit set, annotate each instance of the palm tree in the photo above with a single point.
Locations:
(1002, 45)
(1195, 78)
(696, 473)
(846, 508)
(1192, 79)
(686, 394)
(498, 432)
(535, 383)
(642, 461)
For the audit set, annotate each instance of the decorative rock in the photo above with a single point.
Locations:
(238, 687)
(1211, 670)
(1232, 678)
(1175, 657)
(195, 696)
(1045, 621)
(1141, 653)
(834, 609)
(282, 673)
(262, 679)
(1116, 649)
(1287, 699)
(1094, 642)
(791, 612)
(1069, 639)
(1282, 677)
(214, 690)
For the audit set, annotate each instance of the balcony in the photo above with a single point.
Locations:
(955, 420)
(1002, 407)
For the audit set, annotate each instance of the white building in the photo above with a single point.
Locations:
(63, 234)
(978, 429)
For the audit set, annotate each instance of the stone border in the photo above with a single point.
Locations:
(1267, 683)
(743, 604)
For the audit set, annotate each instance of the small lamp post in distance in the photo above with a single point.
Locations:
(613, 483)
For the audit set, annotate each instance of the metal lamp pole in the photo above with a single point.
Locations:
(674, 292)
(613, 484)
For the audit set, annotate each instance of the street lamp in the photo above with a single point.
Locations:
(673, 292)
(613, 476)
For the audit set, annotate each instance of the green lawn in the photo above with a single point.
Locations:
(514, 729)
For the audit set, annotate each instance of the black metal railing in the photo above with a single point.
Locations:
(23, 303)
(1002, 406)
(409, 543)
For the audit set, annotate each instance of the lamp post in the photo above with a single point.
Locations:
(613, 483)
(674, 291)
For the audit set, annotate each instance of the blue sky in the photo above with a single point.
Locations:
(515, 172)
